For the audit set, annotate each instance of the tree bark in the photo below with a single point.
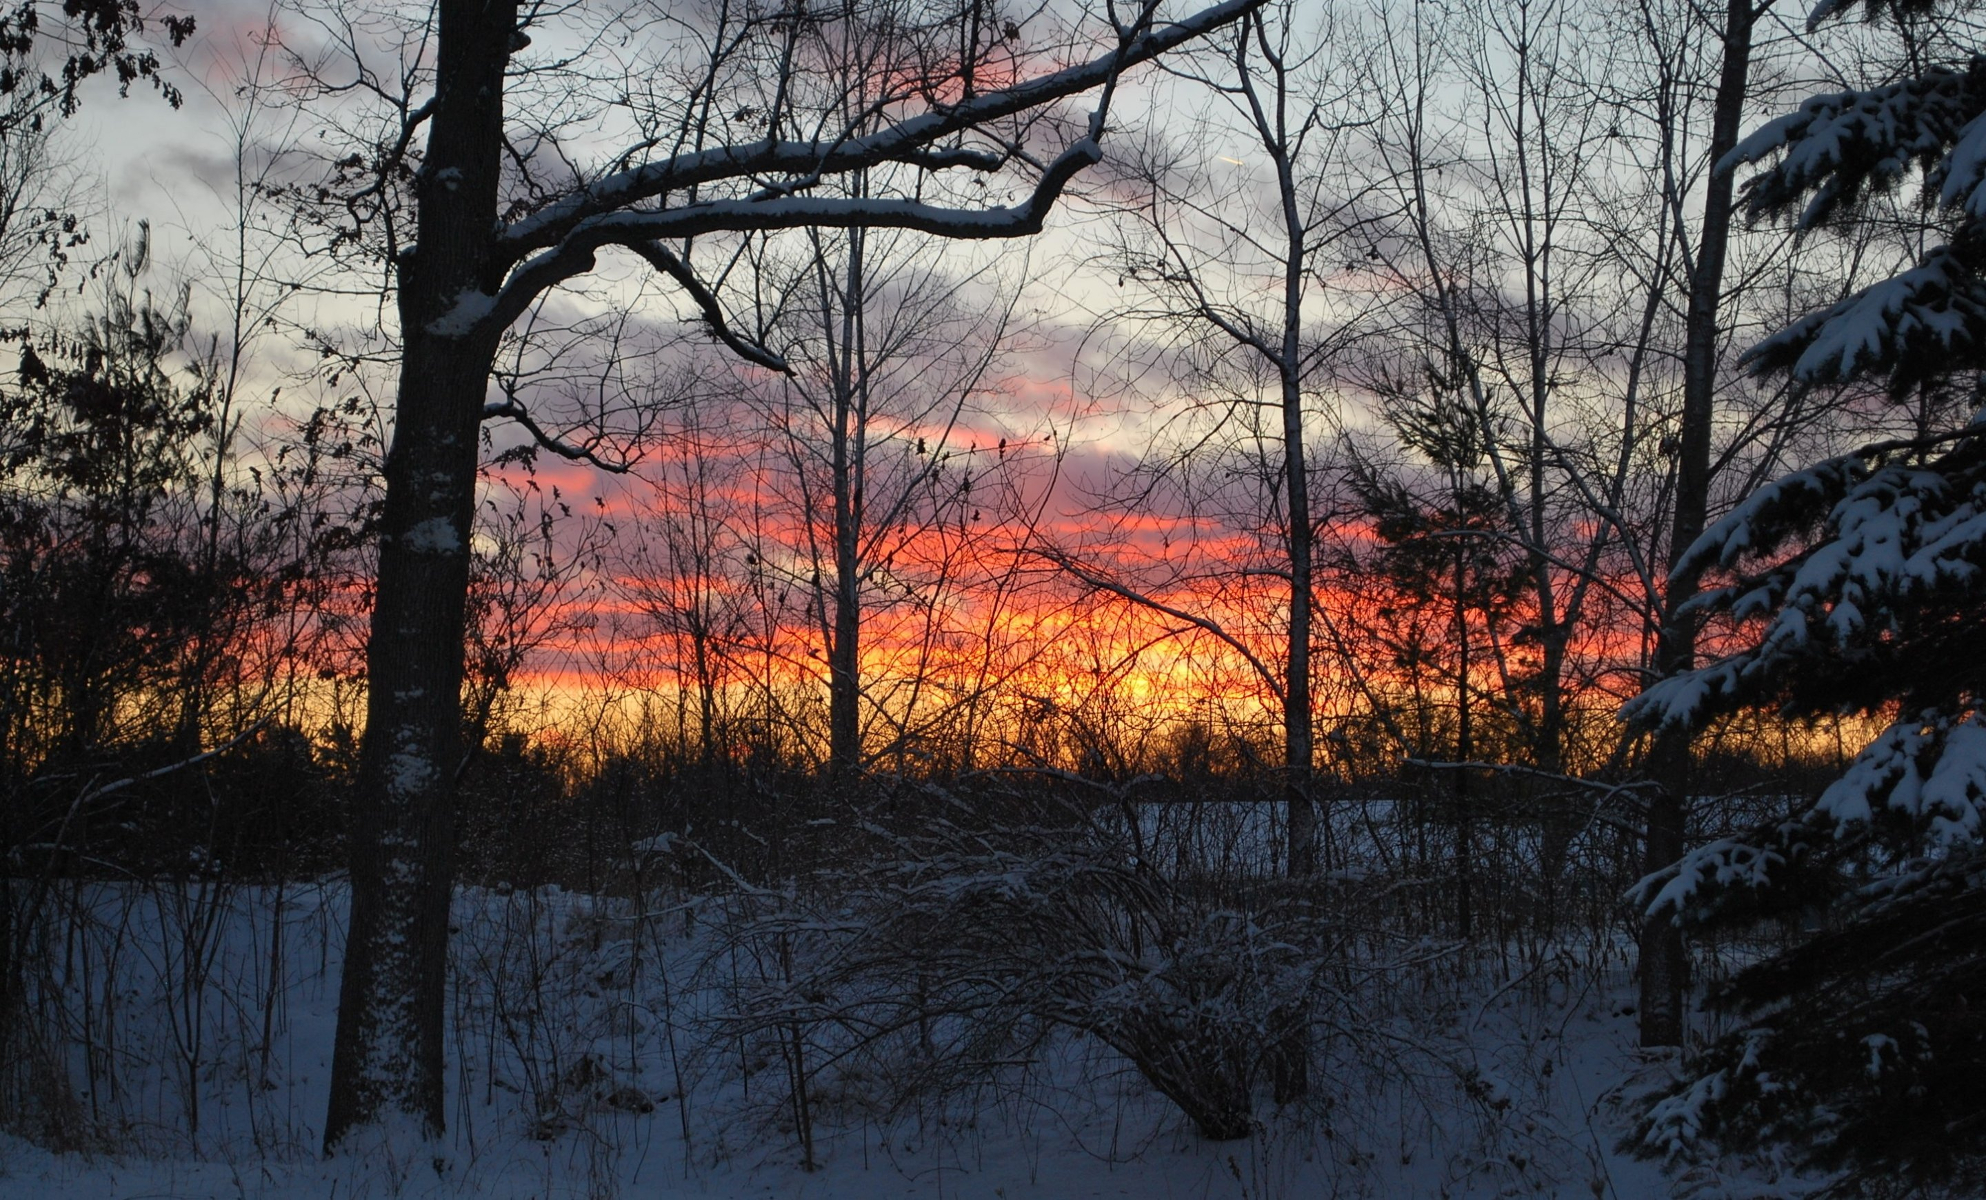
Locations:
(387, 1060)
(1299, 745)
(1465, 864)
(1290, 1058)
(1299, 750)
(1663, 965)
(850, 436)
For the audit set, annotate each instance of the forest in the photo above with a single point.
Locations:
(980, 598)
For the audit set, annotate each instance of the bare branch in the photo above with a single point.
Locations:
(666, 261)
(576, 254)
(1204, 624)
(910, 141)
(517, 412)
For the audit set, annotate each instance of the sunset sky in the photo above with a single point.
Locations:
(1072, 432)
(1057, 394)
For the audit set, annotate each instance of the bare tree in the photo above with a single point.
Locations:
(504, 205)
(1233, 258)
(892, 353)
(1663, 966)
(694, 612)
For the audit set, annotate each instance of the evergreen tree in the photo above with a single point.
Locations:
(1855, 586)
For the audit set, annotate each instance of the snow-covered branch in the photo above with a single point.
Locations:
(577, 253)
(913, 140)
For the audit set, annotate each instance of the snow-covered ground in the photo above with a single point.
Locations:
(589, 1058)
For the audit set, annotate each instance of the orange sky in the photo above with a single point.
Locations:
(970, 618)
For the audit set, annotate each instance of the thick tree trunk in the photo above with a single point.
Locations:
(387, 1061)
(1663, 966)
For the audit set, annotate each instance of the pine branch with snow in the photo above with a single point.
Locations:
(1885, 586)
(1829, 158)
(1857, 587)
(1841, 148)
(1861, 1050)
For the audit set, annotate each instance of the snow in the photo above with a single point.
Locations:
(1964, 184)
(1924, 767)
(1876, 1043)
(409, 771)
(436, 535)
(1838, 145)
(1677, 1122)
(1827, 10)
(1892, 533)
(1834, 152)
(1682, 699)
(470, 309)
(1936, 303)
(1953, 795)
(915, 138)
(580, 1066)
(1722, 864)
(1736, 535)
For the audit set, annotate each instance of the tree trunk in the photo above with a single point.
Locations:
(1299, 752)
(1465, 864)
(1290, 1059)
(844, 663)
(850, 430)
(1299, 745)
(387, 1061)
(1662, 961)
